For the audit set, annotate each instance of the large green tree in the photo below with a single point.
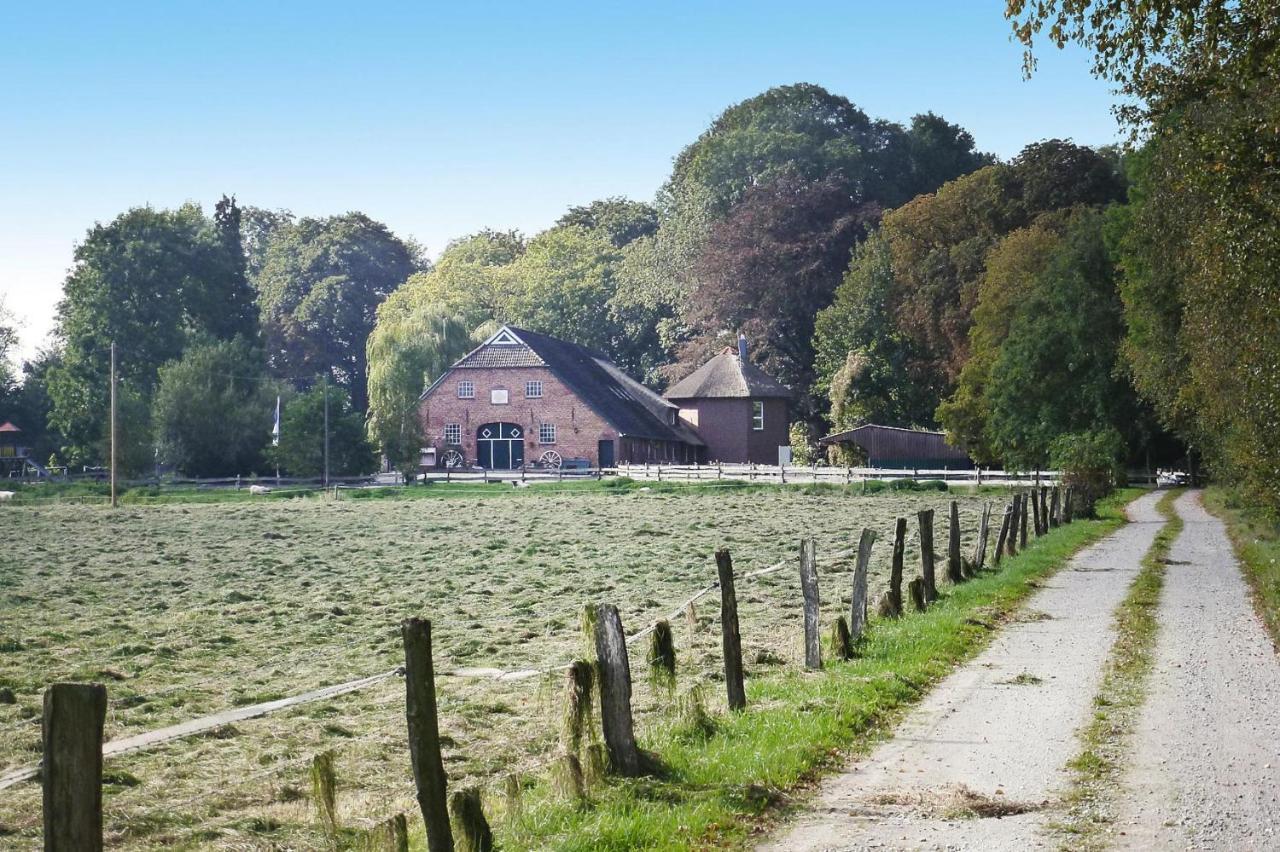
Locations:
(301, 451)
(148, 281)
(319, 288)
(410, 347)
(213, 409)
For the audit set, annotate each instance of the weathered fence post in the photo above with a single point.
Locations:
(1022, 536)
(1044, 508)
(916, 589)
(980, 546)
(1055, 507)
(615, 692)
(72, 768)
(1004, 532)
(955, 571)
(474, 834)
(1014, 519)
(1067, 508)
(858, 603)
(809, 587)
(424, 733)
(895, 571)
(925, 518)
(729, 626)
(1035, 513)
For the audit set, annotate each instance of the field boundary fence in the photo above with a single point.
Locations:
(73, 713)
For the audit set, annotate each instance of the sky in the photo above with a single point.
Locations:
(440, 119)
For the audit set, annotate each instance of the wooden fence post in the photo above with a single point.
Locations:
(809, 587)
(474, 834)
(858, 603)
(72, 767)
(732, 638)
(1035, 513)
(424, 733)
(1044, 508)
(1004, 533)
(615, 692)
(1014, 520)
(1067, 501)
(955, 571)
(895, 571)
(1055, 507)
(1022, 535)
(925, 518)
(984, 532)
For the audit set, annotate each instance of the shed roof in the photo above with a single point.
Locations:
(8, 426)
(887, 442)
(727, 375)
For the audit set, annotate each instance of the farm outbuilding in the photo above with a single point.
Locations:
(737, 408)
(895, 447)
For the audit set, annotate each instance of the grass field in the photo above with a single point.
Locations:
(184, 609)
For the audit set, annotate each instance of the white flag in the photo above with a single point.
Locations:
(275, 430)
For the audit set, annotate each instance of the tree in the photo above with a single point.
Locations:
(620, 219)
(213, 410)
(408, 349)
(472, 280)
(1055, 373)
(865, 367)
(147, 281)
(319, 288)
(301, 449)
(563, 282)
(769, 268)
(938, 151)
(8, 343)
(29, 405)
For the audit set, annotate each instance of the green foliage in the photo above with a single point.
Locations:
(619, 219)
(1091, 463)
(804, 450)
(212, 413)
(412, 344)
(319, 287)
(301, 449)
(149, 280)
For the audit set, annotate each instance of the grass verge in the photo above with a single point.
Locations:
(1255, 536)
(1095, 771)
(725, 778)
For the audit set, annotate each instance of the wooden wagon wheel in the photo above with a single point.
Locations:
(550, 459)
(453, 458)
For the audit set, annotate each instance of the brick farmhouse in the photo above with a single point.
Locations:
(522, 399)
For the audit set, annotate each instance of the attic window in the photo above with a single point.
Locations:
(466, 390)
(504, 338)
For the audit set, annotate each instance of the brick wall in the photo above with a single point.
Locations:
(578, 428)
(725, 425)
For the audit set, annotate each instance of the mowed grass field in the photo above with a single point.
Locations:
(183, 610)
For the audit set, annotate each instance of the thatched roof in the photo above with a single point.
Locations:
(727, 375)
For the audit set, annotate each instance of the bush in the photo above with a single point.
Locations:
(1090, 463)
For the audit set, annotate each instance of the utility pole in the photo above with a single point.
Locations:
(326, 429)
(113, 424)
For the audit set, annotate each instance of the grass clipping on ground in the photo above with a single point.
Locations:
(1105, 741)
(719, 790)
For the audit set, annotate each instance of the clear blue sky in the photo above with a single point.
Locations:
(443, 118)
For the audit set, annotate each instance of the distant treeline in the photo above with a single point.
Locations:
(1072, 306)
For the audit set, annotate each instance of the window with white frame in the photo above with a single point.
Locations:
(453, 433)
(466, 390)
(499, 396)
(546, 433)
(533, 390)
(757, 416)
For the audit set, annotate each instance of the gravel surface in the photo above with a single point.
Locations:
(993, 738)
(1206, 764)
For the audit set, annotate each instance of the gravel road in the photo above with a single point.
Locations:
(993, 737)
(1206, 764)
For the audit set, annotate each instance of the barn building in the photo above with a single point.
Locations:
(523, 398)
(740, 411)
(894, 447)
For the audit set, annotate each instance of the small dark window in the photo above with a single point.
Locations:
(757, 416)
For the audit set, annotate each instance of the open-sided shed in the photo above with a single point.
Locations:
(895, 447)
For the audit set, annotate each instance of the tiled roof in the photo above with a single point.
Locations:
(727, 375)
(506, 355)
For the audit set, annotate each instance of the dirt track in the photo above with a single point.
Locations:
(1206, 760)
(993, 738)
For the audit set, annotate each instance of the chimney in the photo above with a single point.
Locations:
(742, 347)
